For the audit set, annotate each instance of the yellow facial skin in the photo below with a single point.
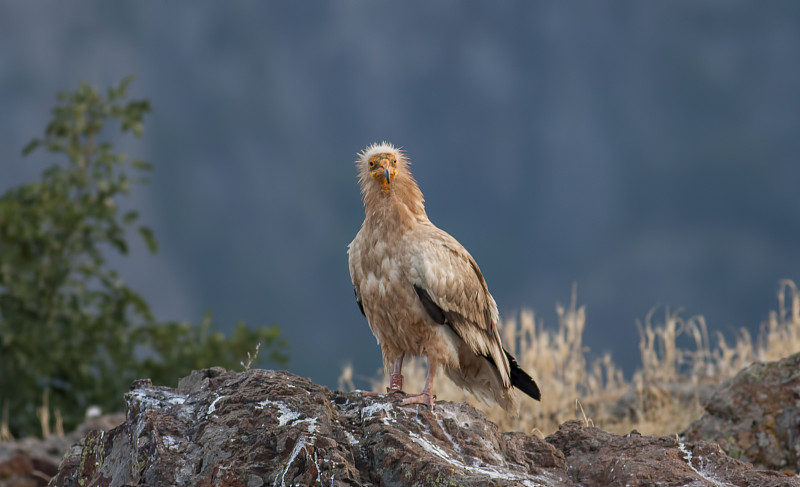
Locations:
(383, 167)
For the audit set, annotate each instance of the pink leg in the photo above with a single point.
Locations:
(396, 380)
(426, 397)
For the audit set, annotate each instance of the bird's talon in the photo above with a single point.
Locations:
(424, 398)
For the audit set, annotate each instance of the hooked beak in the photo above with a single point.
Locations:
(388, 175)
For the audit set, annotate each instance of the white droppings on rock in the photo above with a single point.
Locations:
(483, 470)
(702, 472)
(375, 408)
(312, 424)
(465, 423)
(301, 445)
(432, 448)
(350, 438)
(170, 442)
(213, 406)
(456, 416)
(156, 398)
(448, 435)
(175, 400)
(286, 415)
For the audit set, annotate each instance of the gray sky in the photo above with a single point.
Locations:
(645, 151)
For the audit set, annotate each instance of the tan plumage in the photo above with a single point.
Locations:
(422, 292)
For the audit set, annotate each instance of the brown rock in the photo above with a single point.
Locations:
(755, 416)
(20, 470)
(17, 465)
(266, 427)
(273, 428)
(596, 457)
(44, 454)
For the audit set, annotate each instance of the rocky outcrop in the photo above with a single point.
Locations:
(755, 416)
(29, 462)
(273, 428)
(596, 457)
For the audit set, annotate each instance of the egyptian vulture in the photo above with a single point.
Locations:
(422, 292)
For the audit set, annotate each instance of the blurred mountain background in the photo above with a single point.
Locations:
(646, 151)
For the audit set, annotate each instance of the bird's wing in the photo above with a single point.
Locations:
(354, 262)
(358, 300)
(445, 276)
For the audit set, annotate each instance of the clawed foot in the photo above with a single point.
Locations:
(425, 398)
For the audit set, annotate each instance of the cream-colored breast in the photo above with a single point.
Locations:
(384, 271)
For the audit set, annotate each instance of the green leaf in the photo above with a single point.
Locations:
(130, 217)
(31, 146)
(137, 129)
(149, 238)
(120, 244)
(142, 165)
(122, 89)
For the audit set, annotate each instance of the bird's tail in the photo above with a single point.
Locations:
(521, 380)
(479, 376)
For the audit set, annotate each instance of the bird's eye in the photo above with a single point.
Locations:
(371, 163)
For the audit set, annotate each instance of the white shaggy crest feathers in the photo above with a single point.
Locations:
(380, 148)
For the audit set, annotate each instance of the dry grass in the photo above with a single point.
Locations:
(5, 431)
(678, 365)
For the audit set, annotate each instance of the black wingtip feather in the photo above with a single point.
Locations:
(434, 311)
(360, 304)
(521, 380)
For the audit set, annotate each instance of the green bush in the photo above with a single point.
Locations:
(70, 329)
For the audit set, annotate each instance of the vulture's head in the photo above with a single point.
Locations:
(382, 167)
(385, 178)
